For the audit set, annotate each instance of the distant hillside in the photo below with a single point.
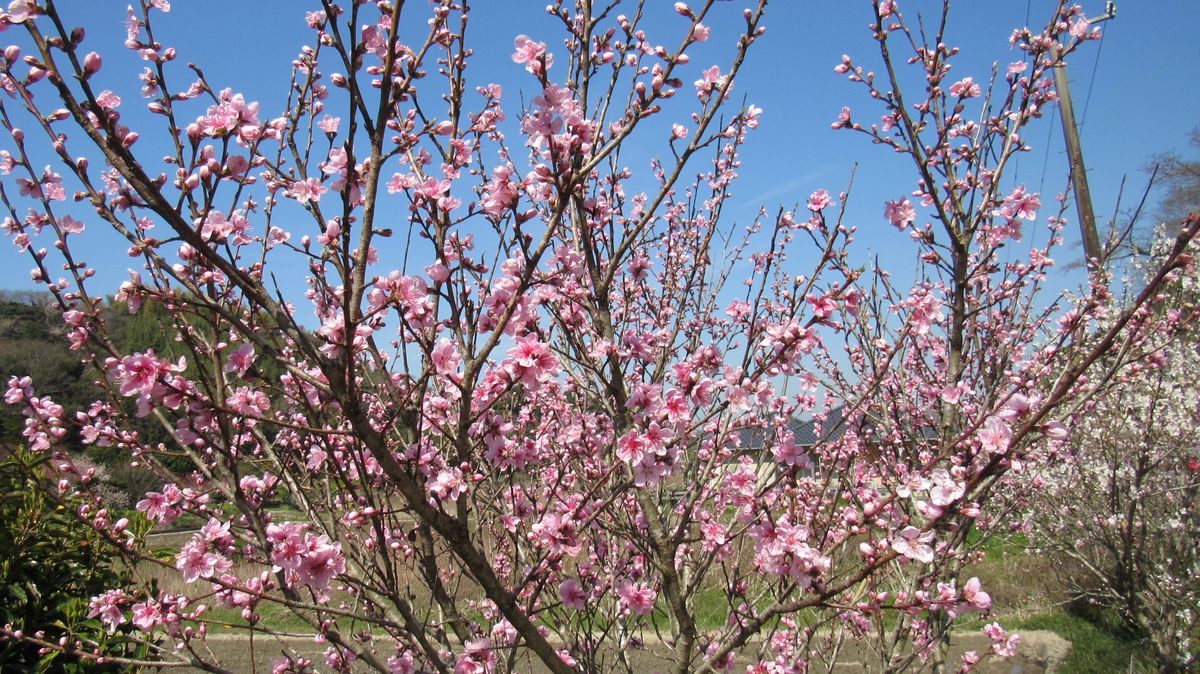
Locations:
(33, 343)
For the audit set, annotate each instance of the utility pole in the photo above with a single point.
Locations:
(1079, 181)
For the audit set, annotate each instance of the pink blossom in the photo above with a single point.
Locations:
(139, 374)
(572, 594)
(637, 598)
(323, 562)
(20, 11)
(162, 507)
(214, 227)
(532, 54)
(557, 533)
(843, 119)
(194, 561)
(788, 452)
(753, 112)
(240, 359)
(248, 401)
(19, 390)
(51, 186)
(823, 306)
(819, 200)
(231, 114)
(531, 362)
(107, 607)
(945, 490)
(1055, 430)
(1003, 644)
(314, 19)
(108, 100)
(445, 357)
(307, 191)
(91, 63)
(501, 193)
(329, 124)
(478, 657)
(1018, 204)
(437, 272)
(974, 595)
(927, 311)
(70, 225)
(631, 447)
(994, 436)
(287, 544)
(914, 544)
(900, 213)
(711, 80)
(147, 615)
(447, 485)
(966, 88)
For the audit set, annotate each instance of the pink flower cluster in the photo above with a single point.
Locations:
(147, 615)
(151, 379)
(308, 559)
(165, 507)
(533, 54)
(558, 127)
(781, 548)
(636, 598)
(107, 607)
(788, 342)
(204, 555)
(914, 544)
(43, 417)
(231, 115)
(1004, 645)
(649, 453)
(530, 363)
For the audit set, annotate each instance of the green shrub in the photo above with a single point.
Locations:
(50, 567)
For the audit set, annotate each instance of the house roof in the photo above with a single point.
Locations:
(807, 432)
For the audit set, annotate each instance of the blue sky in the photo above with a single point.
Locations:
(1142, 100)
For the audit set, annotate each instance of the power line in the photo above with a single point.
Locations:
(1046, 160)
(1092, 82)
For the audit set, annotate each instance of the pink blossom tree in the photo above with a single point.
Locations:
(555, 423)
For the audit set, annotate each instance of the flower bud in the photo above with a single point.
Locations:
(91, 63)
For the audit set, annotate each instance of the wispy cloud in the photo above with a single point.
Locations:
(787, 188)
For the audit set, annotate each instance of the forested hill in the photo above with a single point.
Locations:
(33, 343)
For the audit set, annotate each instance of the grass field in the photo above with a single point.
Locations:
(1026, 597)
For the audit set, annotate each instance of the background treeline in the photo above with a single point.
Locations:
(33, 342)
